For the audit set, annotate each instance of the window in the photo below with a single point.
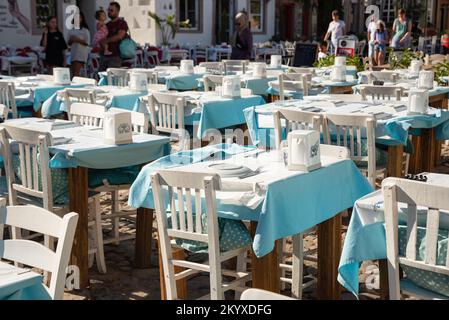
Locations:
(41, 10)
(257, 15)
(190, 10)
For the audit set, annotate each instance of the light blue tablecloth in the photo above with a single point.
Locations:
(43, 94)
(291, 205)
(394, 131)
(27, 289)
(182, 82)
(434, 92)
(258, 86)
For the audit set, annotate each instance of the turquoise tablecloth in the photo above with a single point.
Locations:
(394, 131)
(25, 289)
(291, 206)
(182, 82)
(43, 94)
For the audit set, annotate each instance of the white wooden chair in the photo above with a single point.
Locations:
(78, 95)
(118, 77)
(87, 114)
(33, 254)
(414, 194)
(235, 66)
(385, 76)
(381, 92)
(167, 116)
(86, 81)
(201, 54)
(34, 185)
(152, 76)
(188, 226)
(211, 82)
(213, 67)
(293, 82)
(8, 97)
(349, 129)
(262, 295)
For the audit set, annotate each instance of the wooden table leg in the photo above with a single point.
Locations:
(341, 90)
(144, 238)
(181, 285)
(383, 281)
(37, 114)
(329, 252)
(78, 191)
(395, 161)
(265, 270)
(423, 158)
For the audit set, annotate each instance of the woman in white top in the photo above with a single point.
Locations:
(79, 41)
(337, 29)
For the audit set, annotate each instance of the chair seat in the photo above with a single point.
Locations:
(426, 280)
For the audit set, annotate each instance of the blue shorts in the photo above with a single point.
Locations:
(380, 47)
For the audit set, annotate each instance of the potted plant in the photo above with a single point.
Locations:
(168, 26)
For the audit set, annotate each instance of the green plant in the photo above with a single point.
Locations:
(168, 26)
(403, 59)
(441, 70)
(330, 61)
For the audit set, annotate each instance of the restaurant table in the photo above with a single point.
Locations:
(284, 203)
(78, 149)
(393, 126)
(209, 111)
(109, 96)
(366, 240)
(21, 284)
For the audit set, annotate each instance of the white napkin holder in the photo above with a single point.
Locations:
(304, 150)
(418, 101)
(138, 81)
(338, 73)
(231, 87)
(117, 127)
(259, 70)
(415, 66)
(276, 61)
(340, 61)
(187, 67)
(425, 80)
(61, 76)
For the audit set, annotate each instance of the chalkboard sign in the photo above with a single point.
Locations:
(306, 55)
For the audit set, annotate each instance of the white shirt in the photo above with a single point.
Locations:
(321, 55)
(372, 27)
(79, 52)
(336, 29)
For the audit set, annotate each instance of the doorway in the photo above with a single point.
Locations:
(224, 17)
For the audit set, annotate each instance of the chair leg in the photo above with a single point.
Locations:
(115, 207)
(298, 266)
(282, 259)
(99, 255)
(241, 267)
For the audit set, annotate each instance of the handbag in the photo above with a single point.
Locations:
(128, 48)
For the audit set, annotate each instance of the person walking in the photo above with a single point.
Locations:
(242, 41)
(79, 41)
(54, 45)
(117, 31)
(402, 31)
(337, 29)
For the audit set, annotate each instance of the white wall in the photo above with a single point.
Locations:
(270, 19)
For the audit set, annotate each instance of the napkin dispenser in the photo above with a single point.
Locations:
(340, 61)
(117, 127)
(276, 61)
(418, 101)
(415, 66)
(425, 80)
(187, 67)
(138, 82)
(61, 76)
(259, 70)
(304, 150)
(338, 73)
(231, 87)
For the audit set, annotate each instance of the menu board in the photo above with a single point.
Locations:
(306, 55)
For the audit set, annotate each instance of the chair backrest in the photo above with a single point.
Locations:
(201, 53)
(35, 174)
(87, 114)
(118, 77)
(140, 121)
(81, 80)
(8, 97)
(301, 70)
(212, 81)
(381, 92)
(295, 82)
(386, 76)
(34, 254)
(78, 95)
(167, 113)
(213, 67)
(296, 120)
(233, 66)
(185, 192)
(414, 194)
(350, 131)
(152, 77)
